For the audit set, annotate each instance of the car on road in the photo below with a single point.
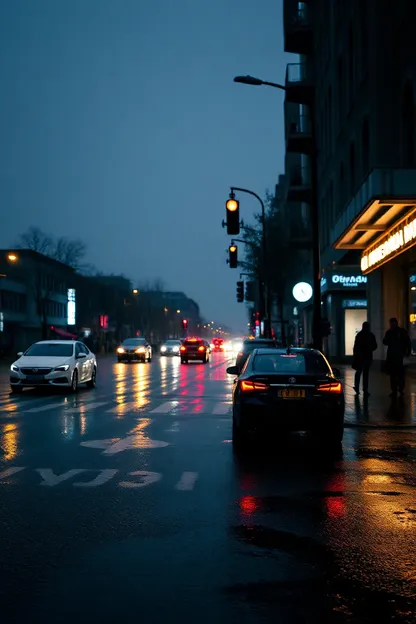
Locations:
(248, 347)
(171, 347)
(57, 363)
(135, 350)
(218, 345)
(285, 390)
(194, 349)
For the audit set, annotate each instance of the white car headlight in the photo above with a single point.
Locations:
(141, 350)
(176, 349)
(163, 349)
(63, 367)
(14, 368)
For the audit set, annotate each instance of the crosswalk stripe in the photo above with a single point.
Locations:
(221, 408)
(187, 481)
(43, 408)
(121, 407)
(84, 407)
(165, 408)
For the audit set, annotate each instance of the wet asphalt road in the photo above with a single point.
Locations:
(126, 504)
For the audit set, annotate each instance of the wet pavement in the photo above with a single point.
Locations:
(126, 504)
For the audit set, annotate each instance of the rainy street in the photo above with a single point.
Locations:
(126, 503)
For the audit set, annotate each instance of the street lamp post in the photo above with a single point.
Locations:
(265, 299)
(316, 254)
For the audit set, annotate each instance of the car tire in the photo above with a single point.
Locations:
(238, 436)
(16, 389)
(184, 361)
(74, 382)
(93, 381)
(149, 359)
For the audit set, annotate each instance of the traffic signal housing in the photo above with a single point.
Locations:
(240, 292)
(232, 210)
(250, 293)
(233, 256)
(185, 323)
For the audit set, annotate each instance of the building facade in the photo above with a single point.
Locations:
(356, 80)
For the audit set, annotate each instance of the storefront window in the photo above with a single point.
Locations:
(412, 311)
(354, 320)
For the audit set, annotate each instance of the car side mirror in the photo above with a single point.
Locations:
(80, 356)
(337, 372)
(20, 354)
(232, 370)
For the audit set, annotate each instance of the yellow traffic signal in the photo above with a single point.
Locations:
(232, 205)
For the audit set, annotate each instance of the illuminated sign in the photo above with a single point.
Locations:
(1, 321)
(104, 321)
(354, 303)
(342, 280)
(399, 238)
(71, 315)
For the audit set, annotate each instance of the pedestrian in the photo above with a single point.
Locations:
(364, 345)
(398, 345)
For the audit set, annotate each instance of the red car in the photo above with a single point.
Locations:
(194, 349)
(219, 345)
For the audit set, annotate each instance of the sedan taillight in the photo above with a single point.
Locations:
(252, 386)
(183, 348)
(201, 348)
(333, 387)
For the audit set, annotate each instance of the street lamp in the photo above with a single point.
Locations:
(178, 311)
(135, 291)
(316, 253)
(12, 257)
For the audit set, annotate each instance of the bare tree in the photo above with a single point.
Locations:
(65, 250)
(36, 240)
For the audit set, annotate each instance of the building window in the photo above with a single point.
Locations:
(352, 169)
(408, 131)
(366, 147)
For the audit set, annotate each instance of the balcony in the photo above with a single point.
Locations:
(299, 139)
(300, 237)
(299, 85)
(298, 32)
(299, 187)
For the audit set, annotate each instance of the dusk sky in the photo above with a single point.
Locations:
(121, 125)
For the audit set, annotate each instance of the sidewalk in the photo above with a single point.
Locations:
(379, 410)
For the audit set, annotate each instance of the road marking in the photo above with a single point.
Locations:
(122, 407)
(165, 408)
(43, 408)
(174, 428)
(50, 478)
(9, 472)
(105, 475)
(146, 478)
(100, 444)
(187, 481)
(221, 408)
(88, 406)
(134, 442)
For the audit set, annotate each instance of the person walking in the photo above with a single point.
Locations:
(364, 345)
(398, 344)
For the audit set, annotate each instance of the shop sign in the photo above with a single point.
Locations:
(71, 307)
(354, 303)
(339, 281)
(395, 241)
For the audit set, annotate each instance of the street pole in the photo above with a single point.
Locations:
(265, 299)
(259, 281)
(316, 251)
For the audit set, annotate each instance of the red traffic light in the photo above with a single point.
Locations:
(184, 323)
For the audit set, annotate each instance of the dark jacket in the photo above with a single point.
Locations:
(364, 345)
(398, 344)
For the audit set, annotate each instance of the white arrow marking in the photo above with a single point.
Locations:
(105, 475)
(134, 442)
(51, 479)
(187, 481)
(9, 472)
(100, 444)
(147, 478)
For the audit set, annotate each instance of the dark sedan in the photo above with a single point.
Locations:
(248, 347)
(283, 390)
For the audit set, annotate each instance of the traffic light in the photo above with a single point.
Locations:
(240, 292)
(185, 323)
(232, 209)
(250, 294)
(325, 328)
(233, 259)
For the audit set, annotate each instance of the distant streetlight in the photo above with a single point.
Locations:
(12, 257)
(178, 311)
(135, 291)
(166, 309)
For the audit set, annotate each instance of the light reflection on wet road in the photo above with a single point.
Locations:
(124, 504)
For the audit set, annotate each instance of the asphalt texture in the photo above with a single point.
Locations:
(127, 504)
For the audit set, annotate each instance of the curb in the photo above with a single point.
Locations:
(348, 425)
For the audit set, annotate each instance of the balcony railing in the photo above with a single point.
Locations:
(301, 126)
(297, 73)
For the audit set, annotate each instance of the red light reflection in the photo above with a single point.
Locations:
(335, 503)
(248, 505)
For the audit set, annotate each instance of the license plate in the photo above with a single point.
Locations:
(35, 378)
(292, 393)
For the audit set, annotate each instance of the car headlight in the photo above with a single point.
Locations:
(63, 367)
(120, 350)
(14, 368)
(176, 349)
(141, 350)
(163, 349)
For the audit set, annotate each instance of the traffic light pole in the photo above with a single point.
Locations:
(265, 299)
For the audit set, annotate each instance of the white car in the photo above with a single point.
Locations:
(58, 363)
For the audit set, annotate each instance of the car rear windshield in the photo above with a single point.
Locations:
(133, 342)
(173, 342)
(306, 363)
(192, 343)
(252, 344)
(49, 349)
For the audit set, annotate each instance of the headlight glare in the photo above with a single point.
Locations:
(14, 368)
(63, 367)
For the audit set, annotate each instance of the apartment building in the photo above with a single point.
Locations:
(354, 84)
